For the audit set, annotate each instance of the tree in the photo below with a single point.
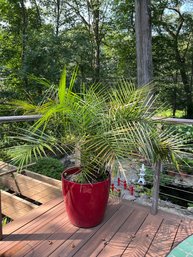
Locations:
(175, 25)
(143, 42)
(92, 13)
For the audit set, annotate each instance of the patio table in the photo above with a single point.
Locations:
(183, 249)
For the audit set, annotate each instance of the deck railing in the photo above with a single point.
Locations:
(4, 119)
(7, 119)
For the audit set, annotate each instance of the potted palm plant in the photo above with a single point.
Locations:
(103, 124)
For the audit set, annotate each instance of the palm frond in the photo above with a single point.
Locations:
(107, 123)
(32, 145)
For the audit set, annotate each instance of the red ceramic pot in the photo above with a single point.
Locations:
(85, 203)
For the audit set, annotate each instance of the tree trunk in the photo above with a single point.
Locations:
(24, 43)
(143, 42)
(97, 41)
(38, 12)
(156, 186)
(57, 10)
(185, 81)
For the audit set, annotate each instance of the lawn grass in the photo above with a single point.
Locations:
(168, 114)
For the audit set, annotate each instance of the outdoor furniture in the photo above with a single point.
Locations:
(184, 249)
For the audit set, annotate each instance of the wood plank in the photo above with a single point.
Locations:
(22, 233)
(164, 238)
(21, 222)
(82, 236)
(142, 240)
(128, 231)
(48, 180)
(185, 230)
(119, 242)
(46, 247)
(31, 188)
(107, 231)
(15, 207)
(6, 167)
(43, 233)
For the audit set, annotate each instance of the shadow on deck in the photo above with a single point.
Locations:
(128, 229)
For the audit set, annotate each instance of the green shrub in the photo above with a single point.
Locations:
(187, 131)
(50, 167)
(164, 178)
(5, 220)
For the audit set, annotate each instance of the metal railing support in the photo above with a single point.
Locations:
(5, 119)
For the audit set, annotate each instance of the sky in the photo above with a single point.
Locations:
(188, 6)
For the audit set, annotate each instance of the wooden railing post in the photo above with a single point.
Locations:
(156, 186)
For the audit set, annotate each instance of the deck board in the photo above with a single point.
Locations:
(128, 229)
(79, 239)
(141, 241)
(164, 238)
(30, 187)
(42, 234)
(28, 231)
(14, 207)
(20, 222)
(123, 237)
(96, 243)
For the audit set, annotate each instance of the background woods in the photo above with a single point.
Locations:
(39, 37)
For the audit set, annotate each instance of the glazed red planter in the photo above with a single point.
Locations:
(85, 203)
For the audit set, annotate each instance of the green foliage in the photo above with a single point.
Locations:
(102, 124)
(5, 221)
(164, 178)
(186, 166)
(168, 114)
(50, 167)
(172, 52)
(35, 144)
(186, 130)
(40, 37)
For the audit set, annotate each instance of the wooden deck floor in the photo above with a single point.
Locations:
(128, 229)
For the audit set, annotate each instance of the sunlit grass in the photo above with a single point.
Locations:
(169, 114)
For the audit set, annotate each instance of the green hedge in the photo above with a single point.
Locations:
(50, 167)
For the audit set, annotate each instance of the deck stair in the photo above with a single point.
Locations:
(26, 191)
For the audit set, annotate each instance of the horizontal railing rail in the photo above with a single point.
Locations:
(5, 119)
(174, 120)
